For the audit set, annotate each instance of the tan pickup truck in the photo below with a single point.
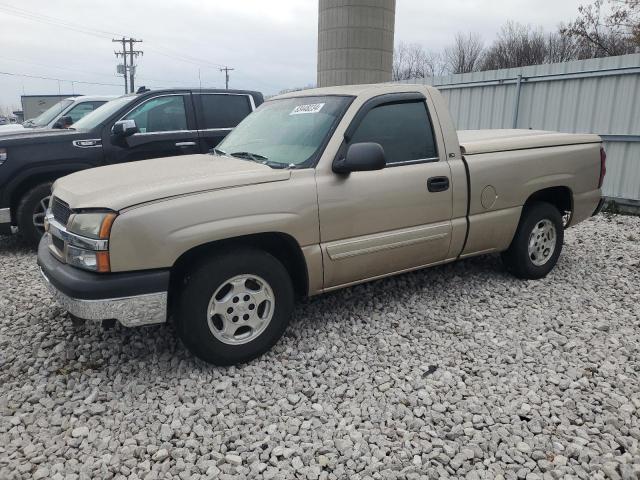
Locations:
(316, 190)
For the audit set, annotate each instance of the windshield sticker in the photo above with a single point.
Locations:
(311, 108)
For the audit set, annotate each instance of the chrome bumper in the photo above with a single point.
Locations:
(129, 311)
(5, 215)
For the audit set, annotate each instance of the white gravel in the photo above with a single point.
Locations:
(457, 371)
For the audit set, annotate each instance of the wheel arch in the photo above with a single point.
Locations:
(560, 197)
(281, 245)
(32, 177)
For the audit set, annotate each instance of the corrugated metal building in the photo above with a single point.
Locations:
(586, 96)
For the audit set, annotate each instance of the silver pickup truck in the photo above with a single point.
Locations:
(315, 191)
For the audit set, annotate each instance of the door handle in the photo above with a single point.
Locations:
(185, 144)
(438, 184)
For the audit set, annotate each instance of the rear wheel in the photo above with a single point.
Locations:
(537, 244)
(31, 211)
(234, 306)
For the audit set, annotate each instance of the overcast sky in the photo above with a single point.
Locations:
(271, 44)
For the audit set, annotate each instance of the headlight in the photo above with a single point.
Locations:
(3, 155)
(92, 224)
(95, 227)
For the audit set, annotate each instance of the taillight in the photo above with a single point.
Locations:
(603, 166)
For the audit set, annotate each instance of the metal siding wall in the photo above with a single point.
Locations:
(599, 102)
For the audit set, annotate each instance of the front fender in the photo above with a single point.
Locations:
(155, 235)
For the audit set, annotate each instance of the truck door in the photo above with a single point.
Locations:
(394, 219)
(218, 114)
(166, 127)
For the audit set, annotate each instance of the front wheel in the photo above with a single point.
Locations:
(234, 306)
(537, 244)
(31, 211)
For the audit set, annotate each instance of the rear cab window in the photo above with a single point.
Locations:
(221, 110)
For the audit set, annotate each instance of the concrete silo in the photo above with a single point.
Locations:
(355, 41)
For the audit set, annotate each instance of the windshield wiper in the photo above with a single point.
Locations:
(249, 156)
(255, 157)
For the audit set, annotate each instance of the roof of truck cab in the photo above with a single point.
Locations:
(356, 90)
(92, 98)
(199, 90)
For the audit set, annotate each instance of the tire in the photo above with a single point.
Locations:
(248, 320)
(31, 208)
(540, 224)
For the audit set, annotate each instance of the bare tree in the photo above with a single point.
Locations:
(626, 15)
(607, 31)
(519, 45)
(464, 55)
(603, 28)
(413, 61)
(562, 48)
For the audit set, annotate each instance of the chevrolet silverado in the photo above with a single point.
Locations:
(316, 190)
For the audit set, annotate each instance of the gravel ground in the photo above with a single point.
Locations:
(457, 371)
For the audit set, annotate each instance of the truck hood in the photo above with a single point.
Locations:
(38, 136)
(11, 128)
(120, 186)
(488, 141)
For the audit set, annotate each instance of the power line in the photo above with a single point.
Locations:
(160, 50)
(58, 79)
(57, 67)
(42, 18)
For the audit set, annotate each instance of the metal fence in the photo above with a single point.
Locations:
(599, 95)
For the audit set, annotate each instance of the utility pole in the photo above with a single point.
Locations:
(132, 67)
(124, 57)
(226, 71)
(128, 66)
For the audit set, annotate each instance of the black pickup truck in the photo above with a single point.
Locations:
(148, 124)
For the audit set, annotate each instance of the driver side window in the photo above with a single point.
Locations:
(403, 129)
(160, 114)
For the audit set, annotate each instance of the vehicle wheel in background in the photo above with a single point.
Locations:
(234, 306)
(537, 244)
(31, 211)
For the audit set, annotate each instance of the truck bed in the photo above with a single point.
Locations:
(488, 141)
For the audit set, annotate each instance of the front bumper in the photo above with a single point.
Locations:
(5, 221)
(132, 298)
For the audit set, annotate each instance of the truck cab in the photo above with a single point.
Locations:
(61, 115)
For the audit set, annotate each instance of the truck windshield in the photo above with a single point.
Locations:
(101, 114)
(48, 115)
(288, 131)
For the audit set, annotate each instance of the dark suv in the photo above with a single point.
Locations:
(139, 126)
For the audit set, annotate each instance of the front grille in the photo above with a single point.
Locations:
(58, 243)
(60, 210)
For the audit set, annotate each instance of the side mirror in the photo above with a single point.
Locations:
(63, 122)
(124, 128)
(361, 157)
